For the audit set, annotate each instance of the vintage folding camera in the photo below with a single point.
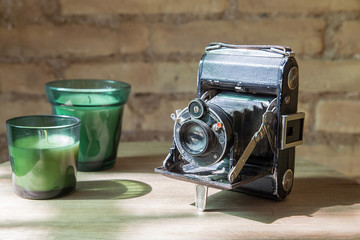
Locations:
(241, 131)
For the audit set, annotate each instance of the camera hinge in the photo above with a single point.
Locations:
(285, 51)
(176, 117)
(267, 118)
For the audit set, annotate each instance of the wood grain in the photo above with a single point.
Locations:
(132, 202)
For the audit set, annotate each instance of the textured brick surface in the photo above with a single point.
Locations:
(329, 76)
(71, 40)
(24, 78)
(293, 6)
(156, 117)
(21, 11)
(142, 7)
(57, 41)
(338, 116)
(347, 39)
(304, 36)
(4, 152)
(144, 77)
(132, 37)
(160, 119)
(343, 158)
(10, 108)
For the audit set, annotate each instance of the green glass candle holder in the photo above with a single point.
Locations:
(43, 153)
(100, 105)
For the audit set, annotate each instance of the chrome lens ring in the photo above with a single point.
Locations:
(195, 137)
(218, 140)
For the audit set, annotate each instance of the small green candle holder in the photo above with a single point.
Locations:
(43, 153)
(100, 105)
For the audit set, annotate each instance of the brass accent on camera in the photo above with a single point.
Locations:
(287, 180)
(293, 78)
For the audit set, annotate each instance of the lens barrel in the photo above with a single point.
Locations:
(195, 137)
(203, 133)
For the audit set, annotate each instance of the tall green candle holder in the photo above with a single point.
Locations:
(100, 105)
(43, 153)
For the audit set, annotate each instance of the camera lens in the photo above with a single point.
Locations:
(194, 137)
(202, 133)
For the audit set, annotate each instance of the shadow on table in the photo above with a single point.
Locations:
(109, 189)
(5, 175)
(5, 172)
(308, 196)
(138, 164)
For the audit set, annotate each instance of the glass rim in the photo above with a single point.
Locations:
(77, 122)
(120, 86)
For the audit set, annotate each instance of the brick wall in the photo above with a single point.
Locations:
(156, 45)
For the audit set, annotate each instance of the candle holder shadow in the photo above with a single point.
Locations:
(109, 189)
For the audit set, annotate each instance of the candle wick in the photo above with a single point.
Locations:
(89, 99)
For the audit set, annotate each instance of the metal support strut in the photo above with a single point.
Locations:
(267, 118)
(201, 197)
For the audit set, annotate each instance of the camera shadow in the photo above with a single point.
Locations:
(308, 196)
(109, 189)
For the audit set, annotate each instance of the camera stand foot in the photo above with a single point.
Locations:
(201, 197)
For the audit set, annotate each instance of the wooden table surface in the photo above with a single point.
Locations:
(132, 202)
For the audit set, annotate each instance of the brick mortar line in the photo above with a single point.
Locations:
(312, 99)
(333, 24)
(328, 51)
(303, 97)
(146, 56)
(14, 96)
(331, 138)
(4, 152)
(112, 21)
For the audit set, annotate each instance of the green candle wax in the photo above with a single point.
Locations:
(100, 128)
(89, 99)
(46, 164)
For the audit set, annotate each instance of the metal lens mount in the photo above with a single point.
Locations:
(195, 136)
(203, 141)
(197, 108)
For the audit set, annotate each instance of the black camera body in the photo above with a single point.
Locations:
(241, 131)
